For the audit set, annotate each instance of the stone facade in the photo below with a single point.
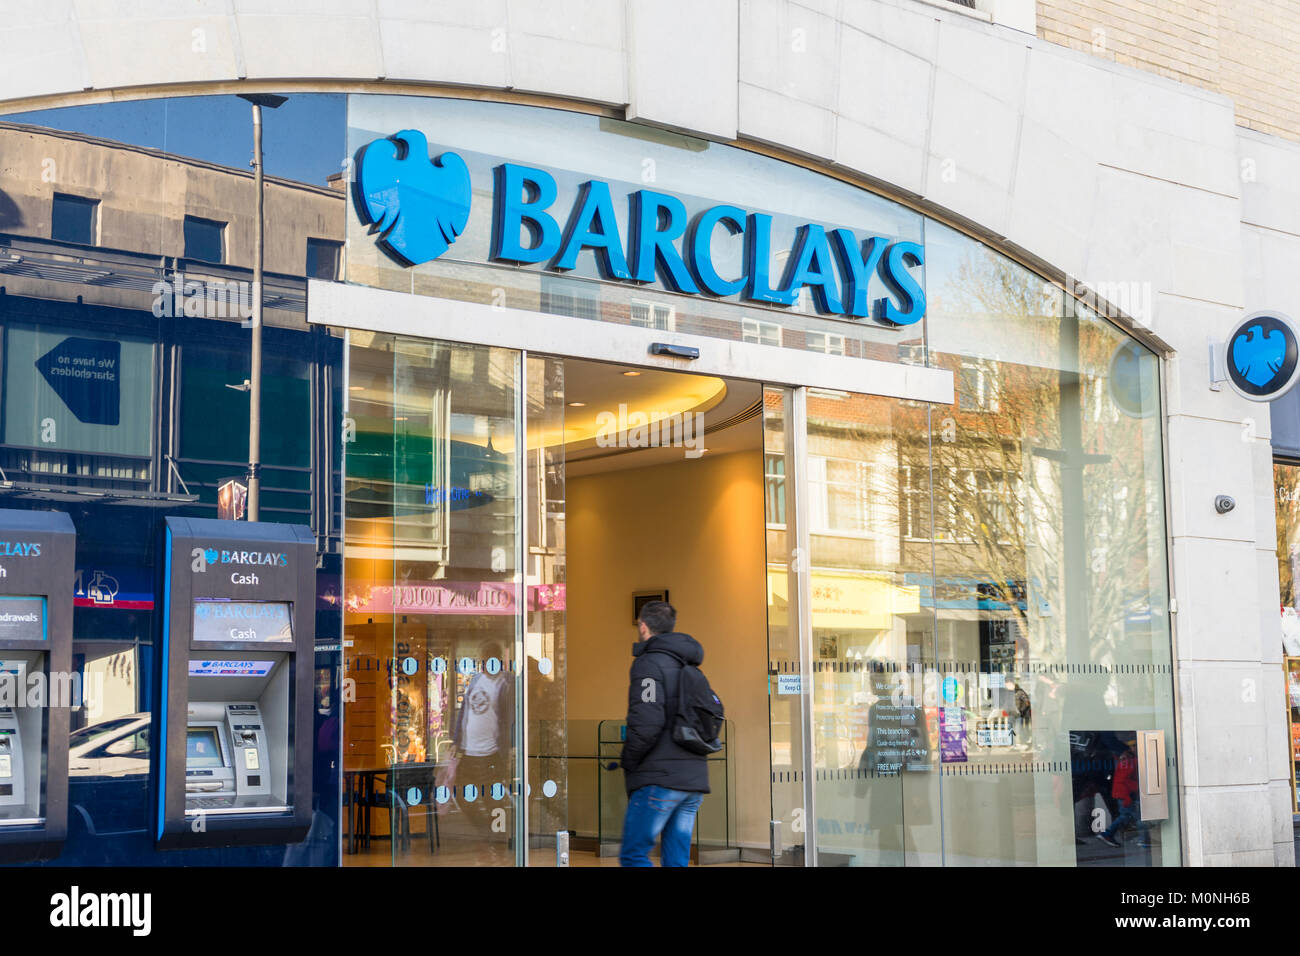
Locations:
(1245, 50)
(1087, 167)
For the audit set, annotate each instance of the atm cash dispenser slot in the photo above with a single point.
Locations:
(234, 762)
(37, 566)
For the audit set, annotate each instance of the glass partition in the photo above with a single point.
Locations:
(1286, 483)
(877, 738)
(1050, 585)
(785, 692)
(432, 603)
(545, 655)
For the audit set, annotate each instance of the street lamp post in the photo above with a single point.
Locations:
(271, 101)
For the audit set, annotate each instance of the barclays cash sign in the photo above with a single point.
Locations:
(417, 207)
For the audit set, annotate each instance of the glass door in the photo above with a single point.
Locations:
(851, 645)
(545, 654)
(454, 607)
(788, 710)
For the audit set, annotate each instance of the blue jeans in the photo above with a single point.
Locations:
(652, 811)
(1126, 817)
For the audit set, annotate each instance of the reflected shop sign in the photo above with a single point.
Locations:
(417, 207)
(454, 597)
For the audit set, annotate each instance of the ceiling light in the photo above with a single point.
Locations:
(577, 404)
(631, 374)
(355, 388)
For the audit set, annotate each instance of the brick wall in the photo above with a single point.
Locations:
(1244, 49)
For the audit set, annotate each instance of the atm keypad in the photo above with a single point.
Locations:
(6, 766)
(209, 803)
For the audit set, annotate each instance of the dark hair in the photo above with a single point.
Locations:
(659, 616)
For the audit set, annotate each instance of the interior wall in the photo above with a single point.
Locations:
(696, 528)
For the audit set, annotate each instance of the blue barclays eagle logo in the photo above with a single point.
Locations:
(417, 206)
(1259, 357)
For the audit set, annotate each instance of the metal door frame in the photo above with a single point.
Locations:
(363, 308)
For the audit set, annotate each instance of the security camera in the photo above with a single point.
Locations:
(1223, 504)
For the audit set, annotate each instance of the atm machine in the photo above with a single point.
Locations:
(37, 686)
(234, 709)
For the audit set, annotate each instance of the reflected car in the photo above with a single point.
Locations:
(118, 747)
(108, 779)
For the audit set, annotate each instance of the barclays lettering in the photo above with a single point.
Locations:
(20, 549)
(418, 206)
(214, 556)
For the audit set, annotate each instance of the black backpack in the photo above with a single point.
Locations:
(699, 714)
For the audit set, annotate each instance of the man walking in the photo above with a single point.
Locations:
(665, 782)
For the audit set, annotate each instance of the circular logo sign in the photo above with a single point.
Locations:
(1133, 380)
(950, 689)
(1262, 356)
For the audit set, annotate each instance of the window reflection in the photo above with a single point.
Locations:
(431, 603)
(100, 206)
(1286, 482)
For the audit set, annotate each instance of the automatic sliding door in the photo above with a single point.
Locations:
(545, 653)
(787, 697)
(433, 603)
(856, 735)
(877, 733)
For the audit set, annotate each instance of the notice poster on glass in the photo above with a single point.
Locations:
(77, 393)
(952, 735)
(242, 621)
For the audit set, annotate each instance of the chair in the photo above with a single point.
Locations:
(399, 781)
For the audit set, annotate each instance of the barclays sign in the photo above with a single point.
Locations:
(417, 207)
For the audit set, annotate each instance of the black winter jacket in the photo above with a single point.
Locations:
(650, 756)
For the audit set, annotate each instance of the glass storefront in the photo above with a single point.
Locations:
(965, 646)
(1286, 486)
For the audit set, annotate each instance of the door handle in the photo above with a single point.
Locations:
(1155, 777)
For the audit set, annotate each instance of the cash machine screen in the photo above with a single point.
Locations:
(243, 621)
(22, 618)
(202, 748)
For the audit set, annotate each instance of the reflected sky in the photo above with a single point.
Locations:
(304, 139)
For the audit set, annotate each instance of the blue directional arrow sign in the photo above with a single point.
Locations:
(86, 374)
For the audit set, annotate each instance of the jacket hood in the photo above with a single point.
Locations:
(682, 646)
